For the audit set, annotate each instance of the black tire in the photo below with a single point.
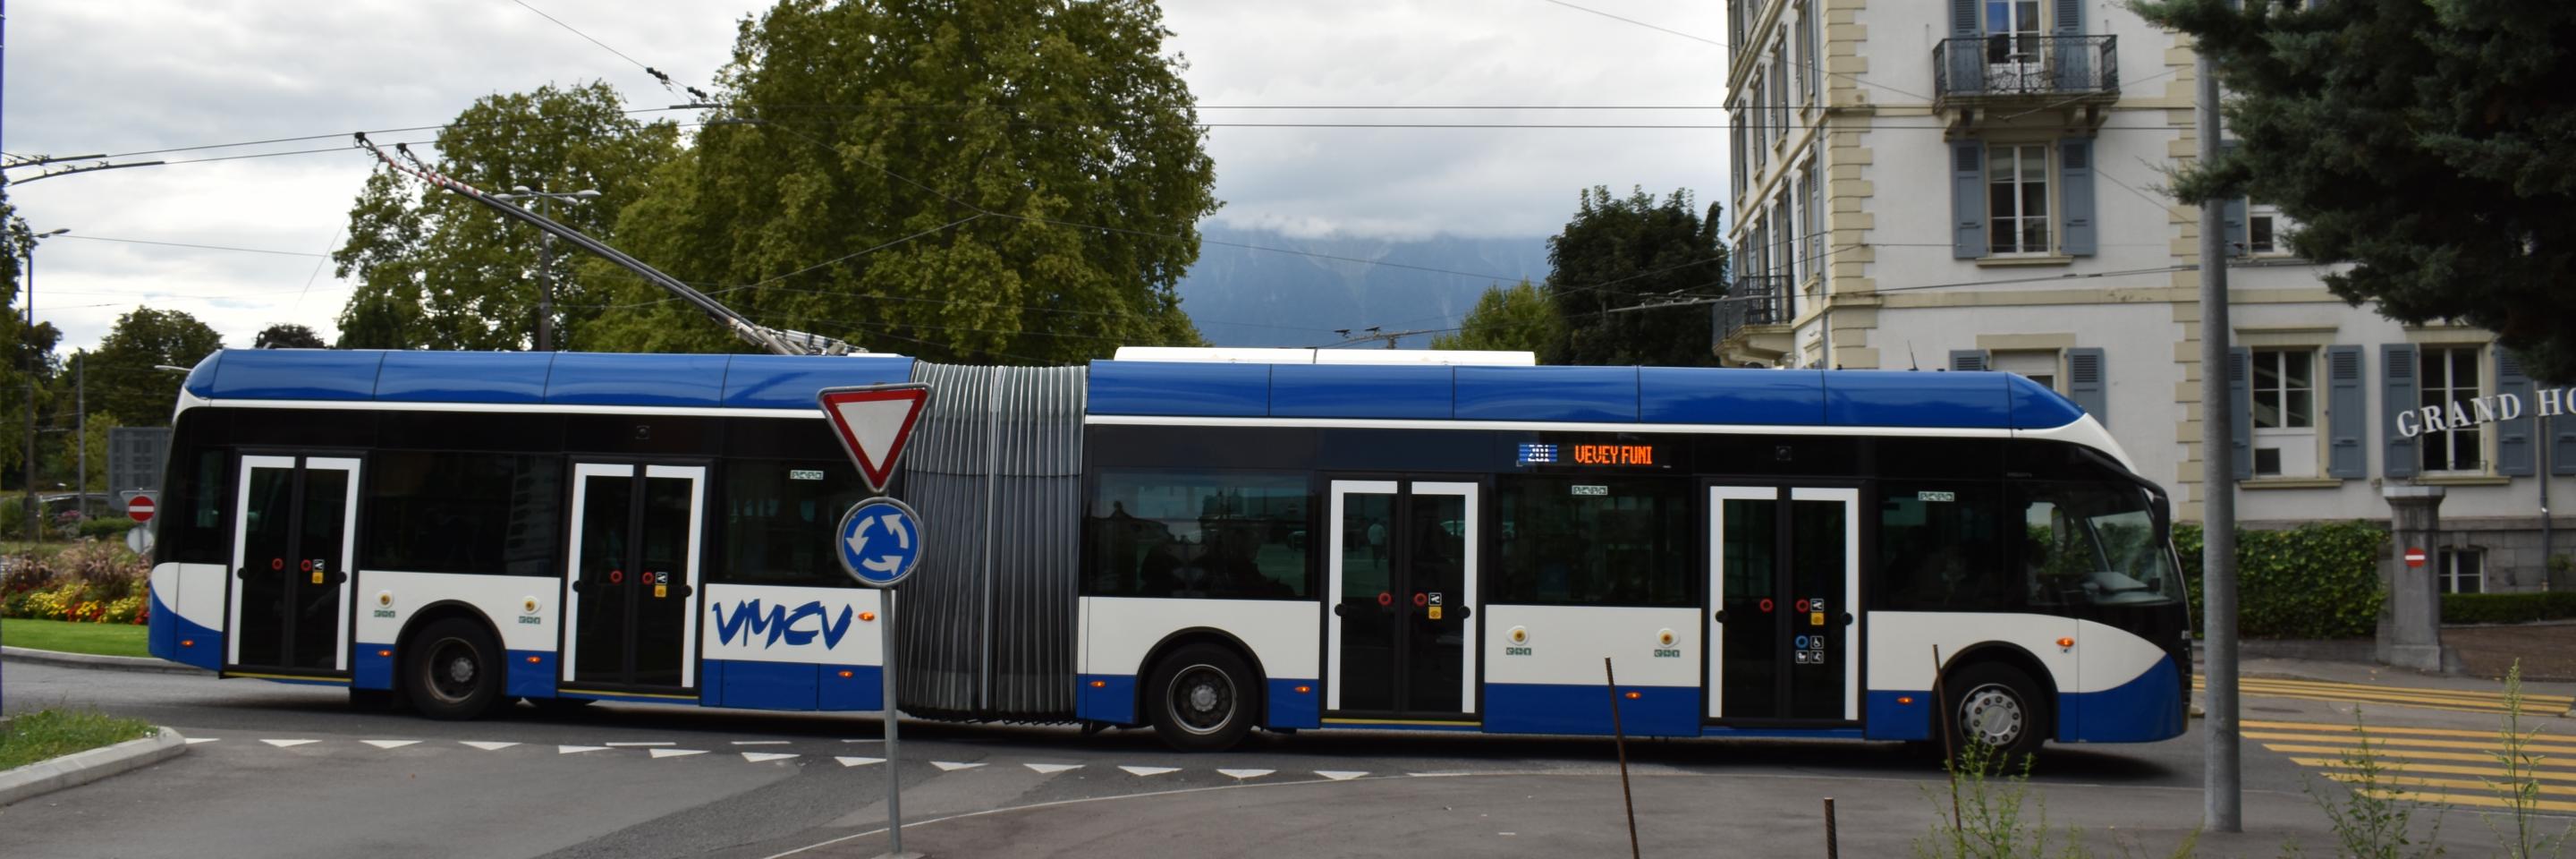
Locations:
(1202, 698)
(1998, 705)
(452, 670)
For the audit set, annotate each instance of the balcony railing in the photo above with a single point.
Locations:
(2018, 66)
(1752, 301)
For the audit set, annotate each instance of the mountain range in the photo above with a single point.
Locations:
(1265, 288)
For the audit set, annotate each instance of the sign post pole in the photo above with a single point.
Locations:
(879, 541)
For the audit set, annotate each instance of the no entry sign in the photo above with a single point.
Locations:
(139, 509)
(2414, 557)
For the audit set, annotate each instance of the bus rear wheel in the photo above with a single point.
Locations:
(1201, 698)
(452, 670)
(1996, 707)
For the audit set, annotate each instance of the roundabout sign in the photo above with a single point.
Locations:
(880, 542)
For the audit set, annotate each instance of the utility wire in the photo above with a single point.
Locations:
(188, 245)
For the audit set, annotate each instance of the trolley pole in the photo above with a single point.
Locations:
(2222, 791)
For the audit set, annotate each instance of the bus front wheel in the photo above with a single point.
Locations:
(1995, 706)
(1201, 698)
(452, 670)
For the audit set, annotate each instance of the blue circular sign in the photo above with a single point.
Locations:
(879, 542)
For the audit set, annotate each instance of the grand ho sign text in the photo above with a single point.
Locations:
(2461, 414)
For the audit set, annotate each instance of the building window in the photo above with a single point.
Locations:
(1760, 119)
(2451, 375)
(1780, 86)
(2266, 231)
(1785, 214)
(2017, 199)
(2285, 412)
(2464, 571)
(1815, 64)
(1814, 223)
(2040, 365)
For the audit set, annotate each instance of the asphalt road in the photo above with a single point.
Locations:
(290, 771)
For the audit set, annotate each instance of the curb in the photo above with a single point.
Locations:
(45, 777)
(84, 660)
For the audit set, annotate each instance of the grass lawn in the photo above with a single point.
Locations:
(103, 639)
(48, 734)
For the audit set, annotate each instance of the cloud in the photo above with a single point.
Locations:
(119, 76)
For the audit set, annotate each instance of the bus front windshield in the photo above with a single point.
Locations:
(2095, 544)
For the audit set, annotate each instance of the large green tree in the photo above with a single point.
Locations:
(436, 270)
(287, 335)
(966, 180)
(125, 375)
(1616, 260)
(1514, 319)
(32, 355)
(2425, 145)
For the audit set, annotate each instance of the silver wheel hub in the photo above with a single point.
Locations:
(1203, 699)
(460, 670)
(1993, 714)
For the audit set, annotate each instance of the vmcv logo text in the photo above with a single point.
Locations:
(781, 622)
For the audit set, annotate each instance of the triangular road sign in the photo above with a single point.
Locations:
(873, 423)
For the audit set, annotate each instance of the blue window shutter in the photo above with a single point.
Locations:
(1965, 52)
(2085, 384)
(2075, 196)
(2232, 217)
(1968, 199)
(1967, 360)
(2074, 64)
(1963, 18)
(2397, 367)
(2562, 445)
(2513, 437)
(2240, 400)
(2347, 413)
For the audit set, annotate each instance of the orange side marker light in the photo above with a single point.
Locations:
(845, 673)
(187, 642)
(1100, 684)
(384, 653)
(535, 659)
(2066, 642)
(1634, 696)
(1905, 699)
(867, 617)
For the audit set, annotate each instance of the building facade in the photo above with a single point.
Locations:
(1975, 184)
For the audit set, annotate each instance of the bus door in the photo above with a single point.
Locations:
(291, 549)
(631, 622)
(1402, 567)
(1784, 580)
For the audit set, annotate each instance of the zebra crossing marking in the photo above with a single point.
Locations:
(388, 744)
(2428, 764)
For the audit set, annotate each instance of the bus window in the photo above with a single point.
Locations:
(1222, 535)
(2092, 544)
(191, 525)
(1595, 540)
(776, 515)
(1937, 548)
(485, 513)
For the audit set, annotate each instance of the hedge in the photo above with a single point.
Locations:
(2320, 580)
(2508, 607)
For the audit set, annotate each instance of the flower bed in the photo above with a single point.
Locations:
(90, 582)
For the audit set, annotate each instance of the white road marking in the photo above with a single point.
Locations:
(675, 753)
(868, 740)
(655, 743)
(195, 740)
(1144, 771)
(760, 742)
(288, 743)
(953, 766)
(1239, 775)
(1051, 769)
(1437, 775)
(388, 744)
(1340, 775)
(574, 750)
(765, 757)
(487, 745)
(857, 762)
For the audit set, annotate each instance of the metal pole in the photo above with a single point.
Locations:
(2548, 563)
(1833, 849)
(27, 345)
(545, 292)
(2223, 794)
(1620, 736)
(894, 772)
(80, 426)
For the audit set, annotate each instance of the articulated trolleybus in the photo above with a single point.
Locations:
(1204, 541)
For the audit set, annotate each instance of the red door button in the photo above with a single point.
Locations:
(277, 563)
(617, 577)
(1420, 600)
(1384, 598)
(1766, 605)
(1802, 605)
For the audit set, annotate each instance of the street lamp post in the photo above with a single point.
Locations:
(545, 259)
(35, 529)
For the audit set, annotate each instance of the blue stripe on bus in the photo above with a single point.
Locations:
(1393, 391)
(464, 377)
(532, 673)
(790, 381)
(759, 685)
(1576, 708)
(1173, 388)
(296, 374)
(1113, 701)
(1675, 395)
(2146, 708)
(1290, 708)
(582, 378)
(1590, 394)
(1783, 733)
(864, 689)
(202, 647)
(1890, 720)
(368, 670)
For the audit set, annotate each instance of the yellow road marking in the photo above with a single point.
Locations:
(2442, 769)
(2335, 697)
(2461, 783)
(2382, 742)
(2462, 695)
(2472, 799)
(2374, 730)
(2384, 753)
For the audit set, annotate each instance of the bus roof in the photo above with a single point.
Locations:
(1640, 395)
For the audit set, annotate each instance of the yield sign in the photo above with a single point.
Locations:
(873, 422)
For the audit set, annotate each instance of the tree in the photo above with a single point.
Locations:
(32, 358)
(962, 180)
(1518, 319)
(287, 335)
(1624, 252)
(125, 375)
(2420, 144)
(92, 435)
(439, 271)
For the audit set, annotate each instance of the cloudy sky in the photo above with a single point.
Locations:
(179, 80)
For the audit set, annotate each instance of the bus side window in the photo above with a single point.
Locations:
(1937, 548)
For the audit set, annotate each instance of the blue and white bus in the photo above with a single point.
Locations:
(1202, 542)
